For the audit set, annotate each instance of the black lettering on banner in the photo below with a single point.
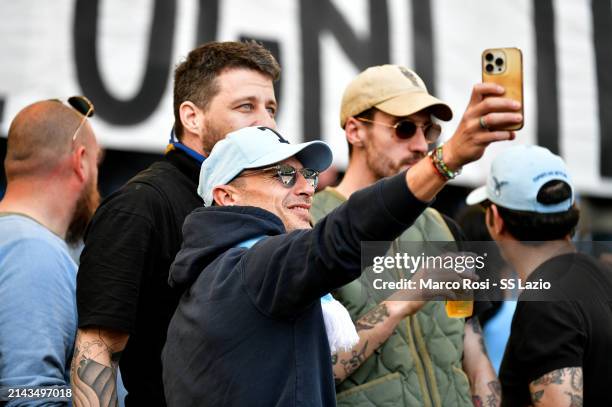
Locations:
(319, 16)
(159, 53)
(274, 48)
(547, 110)
(208, 18)
(602, 38)
(423, 43)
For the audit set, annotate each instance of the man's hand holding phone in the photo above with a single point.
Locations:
(494, 111)
(489, 106)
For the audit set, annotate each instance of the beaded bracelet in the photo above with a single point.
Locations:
(440, 165)
(437, 171)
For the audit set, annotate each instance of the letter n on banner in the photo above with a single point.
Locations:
(318, 16)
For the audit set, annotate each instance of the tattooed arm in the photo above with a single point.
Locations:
(486, 389)
(94, 367)
(562, 387)
(374, 328)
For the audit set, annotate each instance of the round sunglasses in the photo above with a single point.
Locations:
(405, 129)
(287, 174)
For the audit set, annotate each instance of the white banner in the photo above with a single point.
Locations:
(121, 54)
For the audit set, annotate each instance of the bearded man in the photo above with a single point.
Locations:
(52, 191)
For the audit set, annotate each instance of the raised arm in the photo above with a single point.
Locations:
(94, 367)
(311, 260)
(470, 140)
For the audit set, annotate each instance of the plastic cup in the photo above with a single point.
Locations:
(459, 308)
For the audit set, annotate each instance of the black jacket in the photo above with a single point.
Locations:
(249, 329)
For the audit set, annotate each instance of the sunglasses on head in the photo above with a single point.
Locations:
(287, 174)
(82, 105)
(405, 129)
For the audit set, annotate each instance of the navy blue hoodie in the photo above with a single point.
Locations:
(249, 329)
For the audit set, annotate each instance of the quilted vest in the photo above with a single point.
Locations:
(420, 363)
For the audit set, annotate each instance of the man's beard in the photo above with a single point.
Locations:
(381, 165)
(86, 206)
(212, 135)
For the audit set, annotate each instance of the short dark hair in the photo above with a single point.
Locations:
(537, 227)
(195, 78)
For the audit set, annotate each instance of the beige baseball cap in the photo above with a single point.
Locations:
(393, 89)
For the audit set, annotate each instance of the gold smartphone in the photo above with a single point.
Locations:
(504, 66)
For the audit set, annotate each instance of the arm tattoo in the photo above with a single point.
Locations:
(537, 396)
(353, 363)
(575, 400)
(494, 398)
(554, 377)
(576, 378)
(95, 383)
(558, 377)
(475, 324)
(373, 317)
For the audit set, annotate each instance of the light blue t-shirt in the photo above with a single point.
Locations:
(38, 317)
(497, 331)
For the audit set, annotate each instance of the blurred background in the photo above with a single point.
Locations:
(121, 55)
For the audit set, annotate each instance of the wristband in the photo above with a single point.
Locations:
(440, 165)
(437, 171)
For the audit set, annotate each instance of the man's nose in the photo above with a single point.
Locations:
(263, 118)
(418, 142)
(303, 186)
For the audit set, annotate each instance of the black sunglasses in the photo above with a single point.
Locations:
(405, 129)
(287, 174)
(82, 105)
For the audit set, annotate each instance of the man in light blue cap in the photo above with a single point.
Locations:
(556, 354)
(251, 327)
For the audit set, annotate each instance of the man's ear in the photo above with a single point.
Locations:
(226, 195)
(355, 133)
(78, 163)
(495, 223)
(189, 114)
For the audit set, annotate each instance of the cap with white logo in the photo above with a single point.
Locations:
(516, 176)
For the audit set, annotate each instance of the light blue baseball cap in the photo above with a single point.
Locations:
(516, 176)
(254, 147)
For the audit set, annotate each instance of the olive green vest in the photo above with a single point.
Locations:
(420, 363)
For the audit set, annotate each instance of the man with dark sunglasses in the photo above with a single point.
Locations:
(391, 121)
(251, 328)
(123, 297)
(51, 167)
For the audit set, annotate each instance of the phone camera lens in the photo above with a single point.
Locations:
(489, 67)
(499, 62)
(489, 57)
